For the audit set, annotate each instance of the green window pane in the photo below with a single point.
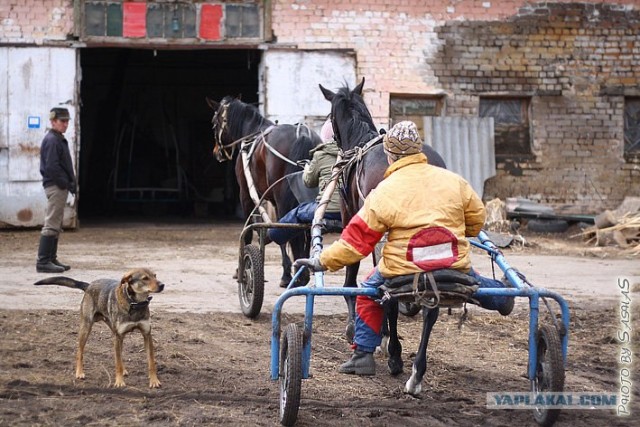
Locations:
(94, 18)
(155, 20)
(114, 20)
(242, 21)
(190, 20)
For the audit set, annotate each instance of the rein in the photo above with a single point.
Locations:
(250, 141)
(353, 158)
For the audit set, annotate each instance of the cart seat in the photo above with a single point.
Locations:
(445, 288)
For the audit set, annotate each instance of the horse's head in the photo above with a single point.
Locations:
(350, 117)
(220, 128)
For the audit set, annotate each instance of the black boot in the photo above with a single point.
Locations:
(54, 257)
(507, 307)
(361, 363)
(44, 264)
(501, 304)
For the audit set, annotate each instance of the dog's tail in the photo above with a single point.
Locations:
(63, 281)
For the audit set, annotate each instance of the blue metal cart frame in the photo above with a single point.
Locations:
(317, 288)
(544, 376)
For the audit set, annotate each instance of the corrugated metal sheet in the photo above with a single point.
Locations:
(466, 144)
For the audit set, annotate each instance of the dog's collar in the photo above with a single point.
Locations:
(135, 305)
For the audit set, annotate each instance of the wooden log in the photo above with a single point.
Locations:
(605, 219)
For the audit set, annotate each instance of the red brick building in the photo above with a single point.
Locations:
(559, 79)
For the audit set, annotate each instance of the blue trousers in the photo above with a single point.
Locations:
(370, 314)
(302, 214)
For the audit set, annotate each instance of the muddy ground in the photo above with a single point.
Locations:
(214, 363)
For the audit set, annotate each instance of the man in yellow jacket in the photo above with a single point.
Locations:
(428, 213)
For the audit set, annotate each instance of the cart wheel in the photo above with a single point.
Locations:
(251, 282)
(549, 371)
(409, 309)
(290, 374)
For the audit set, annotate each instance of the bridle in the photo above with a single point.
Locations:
(220, 151)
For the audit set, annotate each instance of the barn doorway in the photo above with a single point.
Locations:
(145, 131)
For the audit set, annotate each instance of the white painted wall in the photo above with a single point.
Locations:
(289, 82)
(32, 81)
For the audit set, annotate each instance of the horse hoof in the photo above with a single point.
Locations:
(395, 366)
(384, 346)
(350, 331)
(413, 387)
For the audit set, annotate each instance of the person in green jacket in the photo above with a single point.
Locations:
(317, 173)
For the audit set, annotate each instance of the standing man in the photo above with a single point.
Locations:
(58, 181)
(428, 213)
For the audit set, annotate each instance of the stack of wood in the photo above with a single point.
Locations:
(619, 227)
(496, 220)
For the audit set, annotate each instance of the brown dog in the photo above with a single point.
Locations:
(123, 306)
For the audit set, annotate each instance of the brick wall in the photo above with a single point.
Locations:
(35, 21)
(576, 60)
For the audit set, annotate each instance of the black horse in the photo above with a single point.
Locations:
(353, 127)
(274, 151)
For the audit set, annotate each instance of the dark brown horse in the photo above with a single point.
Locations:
(353, 127)
(273, 153)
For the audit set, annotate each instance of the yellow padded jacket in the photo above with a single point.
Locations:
(427, 211)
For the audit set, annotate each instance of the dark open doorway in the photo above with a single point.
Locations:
(145, 130)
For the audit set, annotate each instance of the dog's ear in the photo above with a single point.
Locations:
(126, 278)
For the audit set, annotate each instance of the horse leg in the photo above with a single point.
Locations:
(350, 281)
(394, 347)
(298, 250)
(414, 383)
(286, 267)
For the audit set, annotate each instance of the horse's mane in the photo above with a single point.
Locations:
(243, 118)
(351, 115)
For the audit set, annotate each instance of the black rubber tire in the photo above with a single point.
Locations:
(290, 374)
(251, 282)
(547, 225)
(549, 371)
(409, 309)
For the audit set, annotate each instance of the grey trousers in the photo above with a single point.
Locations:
(56, 199)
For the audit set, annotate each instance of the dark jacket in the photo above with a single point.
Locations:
(55, 162)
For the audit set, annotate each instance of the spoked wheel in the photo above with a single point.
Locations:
(409, 309)
(549, 372)
(251, 283)
(290, 374)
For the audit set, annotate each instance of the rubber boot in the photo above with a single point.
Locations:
(502, 304)
(507, 307)
(54, 257)
(361, 363)
(44, 264)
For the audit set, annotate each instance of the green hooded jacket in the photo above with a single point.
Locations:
(318, 172)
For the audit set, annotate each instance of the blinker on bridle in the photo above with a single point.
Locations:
(221, 127)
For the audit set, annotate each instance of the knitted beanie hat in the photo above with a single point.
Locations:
(403, 139)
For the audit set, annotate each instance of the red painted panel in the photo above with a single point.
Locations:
(210, 18)
(134, 19)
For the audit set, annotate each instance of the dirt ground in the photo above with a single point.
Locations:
(214, 363)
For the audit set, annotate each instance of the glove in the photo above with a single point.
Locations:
(303, 163)
(312, 264)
